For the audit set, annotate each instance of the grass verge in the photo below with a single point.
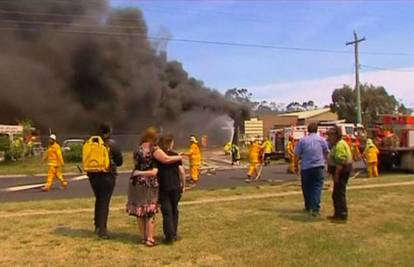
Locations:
(260, 232)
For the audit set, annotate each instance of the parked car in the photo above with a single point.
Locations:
(68, 143)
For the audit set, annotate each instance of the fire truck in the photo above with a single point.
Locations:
(394, 136)
(280, 137)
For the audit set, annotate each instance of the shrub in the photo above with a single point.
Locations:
(74, 154)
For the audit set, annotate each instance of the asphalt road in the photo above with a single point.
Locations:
(81, 188)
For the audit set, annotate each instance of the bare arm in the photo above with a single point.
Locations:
(181, 171)
(164, 158)
(148, 173)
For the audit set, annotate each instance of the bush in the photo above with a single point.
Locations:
(74, 154)
(5, 146)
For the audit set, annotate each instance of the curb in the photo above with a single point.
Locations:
(210, 200)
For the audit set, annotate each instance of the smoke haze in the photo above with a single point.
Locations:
(68, 65)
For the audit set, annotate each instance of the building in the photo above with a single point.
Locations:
(253, 129)
(275, 121)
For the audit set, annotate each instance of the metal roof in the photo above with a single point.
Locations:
(307, 114)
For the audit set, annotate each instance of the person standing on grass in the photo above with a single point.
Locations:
(143, 185)
(103, 182)
(171, 179)
(341, 158)
(54, 159)
(312, 150)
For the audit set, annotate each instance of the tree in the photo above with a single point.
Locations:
(374, 101)
(239, 95)
(296, 106)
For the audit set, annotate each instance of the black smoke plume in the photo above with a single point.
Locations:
(68, 65)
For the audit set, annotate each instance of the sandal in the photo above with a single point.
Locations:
(150, 243)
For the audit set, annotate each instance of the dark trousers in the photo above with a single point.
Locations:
(312, 183)
(102, 185)
(169, 209)
(339, 193)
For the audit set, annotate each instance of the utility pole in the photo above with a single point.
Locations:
(357, 87)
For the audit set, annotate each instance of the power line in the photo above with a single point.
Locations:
(137, 27)
(386, 69)
(318, 50)
(223, 43)
(40, 14)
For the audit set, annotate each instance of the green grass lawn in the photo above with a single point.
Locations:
(261, 232)
(35, 165)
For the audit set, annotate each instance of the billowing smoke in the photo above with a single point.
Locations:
(68, 65)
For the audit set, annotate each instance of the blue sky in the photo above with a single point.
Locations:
(387, 25)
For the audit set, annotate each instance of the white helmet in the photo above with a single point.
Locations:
(53, 137)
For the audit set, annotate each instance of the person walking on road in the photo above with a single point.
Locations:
(194, 155)
(371, 157)
(290, 151)
(341, 158)
(171, 179)
(235, 154)
(267, 148)
(254, 160)
(101, 170)
(54, 159)
(312, 150)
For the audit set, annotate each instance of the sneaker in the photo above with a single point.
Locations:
(314, 213)
(64, 186)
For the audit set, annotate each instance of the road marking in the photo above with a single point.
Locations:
(207, 201)
(39, 185)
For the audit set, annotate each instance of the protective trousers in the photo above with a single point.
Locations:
(55, 171)
(252, 168)
(195, 172)
(291, 167)
(372, 168)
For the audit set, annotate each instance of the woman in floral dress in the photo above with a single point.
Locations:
(143, 184)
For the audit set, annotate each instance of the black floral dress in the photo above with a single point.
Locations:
(143, 191)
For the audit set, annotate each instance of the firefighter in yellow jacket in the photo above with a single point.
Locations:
(290, 151)
(254, 159)
(194, 155)
(371, 156)
(54, 159)
(267, 148)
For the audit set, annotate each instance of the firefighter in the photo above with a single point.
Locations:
(290, 150)
(356, 153)
(194, 155)
(267, 148)
(235, 155)
(371, 156)
(254, 159)
(55, 162)
(227, 148)
(17, 148)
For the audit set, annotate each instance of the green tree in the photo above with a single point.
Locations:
(375, 100)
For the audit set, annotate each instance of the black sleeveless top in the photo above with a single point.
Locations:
(168, 174)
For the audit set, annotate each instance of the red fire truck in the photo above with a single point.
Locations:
(394, 136)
